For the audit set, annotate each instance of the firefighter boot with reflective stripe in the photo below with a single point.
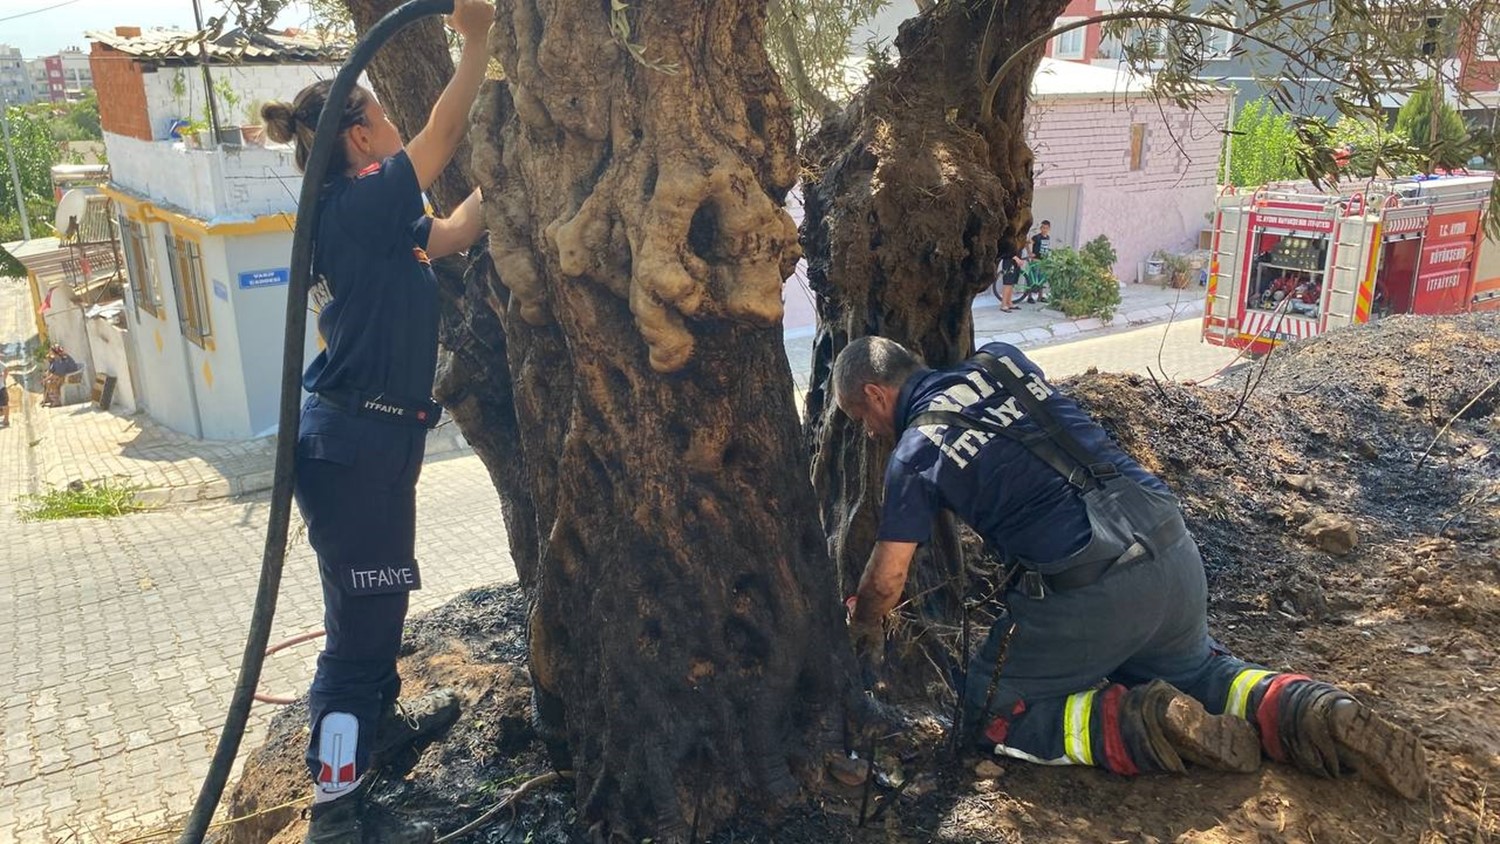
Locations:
(1162, 728)
(406, 729)
(354, 819)
(1325, 731)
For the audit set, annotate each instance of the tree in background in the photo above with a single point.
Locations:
(808, 42)
(78, 121)
(35, 152)
(1374, 150)
(1445, 146)
(1260, 149)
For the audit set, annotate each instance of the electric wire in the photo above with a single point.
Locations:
(39, 11)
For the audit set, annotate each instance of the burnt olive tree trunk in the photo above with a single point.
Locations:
(913, 192)
(686, 636)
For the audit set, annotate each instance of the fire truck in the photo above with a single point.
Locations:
(1292, 261)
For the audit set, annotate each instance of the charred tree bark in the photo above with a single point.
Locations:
(911, 199)
(686, 637)
(473, 379)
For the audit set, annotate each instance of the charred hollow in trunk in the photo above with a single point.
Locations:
(911, 200)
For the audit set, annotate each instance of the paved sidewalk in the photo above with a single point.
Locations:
(1033, 325)
(83, 443)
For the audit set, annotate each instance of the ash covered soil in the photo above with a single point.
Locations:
(1334, 548)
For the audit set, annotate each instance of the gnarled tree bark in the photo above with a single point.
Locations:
(686, 636)
(912, 198)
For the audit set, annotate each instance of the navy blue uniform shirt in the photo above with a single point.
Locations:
(1018, 503)
(381, 326)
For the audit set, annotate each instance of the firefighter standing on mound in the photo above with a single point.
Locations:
(364, 426)
(1103, 657)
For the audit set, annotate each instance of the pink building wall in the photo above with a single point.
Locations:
(1086, 141)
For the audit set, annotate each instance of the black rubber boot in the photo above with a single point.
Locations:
(355, 819)
(406, 729)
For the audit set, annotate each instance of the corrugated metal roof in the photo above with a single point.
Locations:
(237, 45)
(96, 225)
(54, 262)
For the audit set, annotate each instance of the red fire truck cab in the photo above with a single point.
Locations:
(1292, 261)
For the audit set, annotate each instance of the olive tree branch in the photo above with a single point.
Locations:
(987, 101)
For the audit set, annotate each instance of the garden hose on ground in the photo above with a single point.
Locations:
(291, 404)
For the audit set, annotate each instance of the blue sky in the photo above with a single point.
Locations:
(46, 32)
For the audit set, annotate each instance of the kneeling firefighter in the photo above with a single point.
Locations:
(1103, 657)
(364, 426)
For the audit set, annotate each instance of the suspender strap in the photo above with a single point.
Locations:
(1084, 459)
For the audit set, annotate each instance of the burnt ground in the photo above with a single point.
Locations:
(1328, 443)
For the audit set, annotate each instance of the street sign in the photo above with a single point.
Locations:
(265, 278)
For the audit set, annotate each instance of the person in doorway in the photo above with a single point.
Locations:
(1041, 246)
(1107, 585)
(1010, 273)
(60, 365)
(364, 426)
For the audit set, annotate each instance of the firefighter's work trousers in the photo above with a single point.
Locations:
(356, 488)
(1142, 620)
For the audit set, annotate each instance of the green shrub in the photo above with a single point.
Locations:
(1101, 252)
(1079, 283)
(1454, 146)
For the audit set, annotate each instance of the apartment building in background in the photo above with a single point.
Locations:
(15, 79)
(1464, 48)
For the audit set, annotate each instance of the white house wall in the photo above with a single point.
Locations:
(213, 185)
(163, 172)
(250, 83)
(1163, 205)
(108, 345)
(260, 314)
(65, 327)
(219, 380)
(159, 345)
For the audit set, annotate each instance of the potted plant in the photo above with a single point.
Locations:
(1176, 269)
(253, 132)
(192, 134)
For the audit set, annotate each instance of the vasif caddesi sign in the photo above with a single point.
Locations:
(265, 278)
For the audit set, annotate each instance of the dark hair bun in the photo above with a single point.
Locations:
(280, 121)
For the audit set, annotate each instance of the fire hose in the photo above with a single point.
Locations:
(274, 553)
